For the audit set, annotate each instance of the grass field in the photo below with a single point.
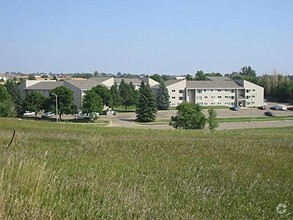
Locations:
(83, 171)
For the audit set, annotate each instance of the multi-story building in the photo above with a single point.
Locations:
(216, 91)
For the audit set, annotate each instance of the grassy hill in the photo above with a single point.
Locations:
(82, 171)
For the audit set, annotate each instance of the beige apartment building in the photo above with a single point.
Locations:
(216, 91)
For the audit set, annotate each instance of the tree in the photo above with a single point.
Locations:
(189, 116)
(104, 93)
(146, 107)
(127, 93)
(212, 119)
(163, 102)
(116, 98)
(189, 77)
(6, 103)
(157, 77)
(200, 75)
(92, 103)
(64, 101)
(31, 77)
(34, 102)
(16, 95)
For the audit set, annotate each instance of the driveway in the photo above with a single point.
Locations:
(127, 120)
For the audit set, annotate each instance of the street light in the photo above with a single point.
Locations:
(56, 98)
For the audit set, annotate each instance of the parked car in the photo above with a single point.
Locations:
(48, 115)
(234, 108)
(290, 108)
(29, 114)
(270, 114)
(279, 107)
(262, 108)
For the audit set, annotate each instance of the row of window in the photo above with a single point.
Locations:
(180, 91)
(213, 97)
(215, 90)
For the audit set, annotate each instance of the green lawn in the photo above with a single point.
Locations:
(83, 171)
(221, 120)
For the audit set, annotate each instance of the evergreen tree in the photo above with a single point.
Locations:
(163, 102)
(16, 95)
(6, 103)
(146, 106)
(116, 98)
(127, 93)
(212, 119)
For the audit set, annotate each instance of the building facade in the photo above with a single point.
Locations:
(216, 91)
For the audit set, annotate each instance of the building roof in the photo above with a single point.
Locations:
(135, 81)
(84, 84)
(100, 78)
(230, 84)
(219, 78)
(45, 85)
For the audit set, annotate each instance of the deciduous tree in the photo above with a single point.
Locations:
(65, 101)
(34, 102)
(92, 103)
(189, 116)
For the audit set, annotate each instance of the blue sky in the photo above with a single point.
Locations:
(146, 36)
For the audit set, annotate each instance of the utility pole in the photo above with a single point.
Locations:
(56, 99)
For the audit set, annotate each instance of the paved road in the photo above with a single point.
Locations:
(127, 119)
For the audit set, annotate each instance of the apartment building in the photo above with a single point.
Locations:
(216, 91)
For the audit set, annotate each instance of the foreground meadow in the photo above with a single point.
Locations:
(76, 171)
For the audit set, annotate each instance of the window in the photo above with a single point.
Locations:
(232, 97)
(212, 90)
(226, 97)
(219, 90)
(205, 103)
(219, 97)
(253, 90)
(173, 90)
(173, 97)
(253, 96)
(199, 97)
(180, 98)
(247, 97)
(248, 103)
(213, 97)
(247, 90)
(180, 91)
(199, 91)
(232, 90)
(200, 103)
(205, 97)
(204, 90)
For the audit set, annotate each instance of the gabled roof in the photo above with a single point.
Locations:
(169, 82)
(212, 85)
(219, 78)
(135, 81)
(100, 78)
(45, 85)
(84, 84)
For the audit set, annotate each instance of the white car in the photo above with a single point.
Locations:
(29, 114)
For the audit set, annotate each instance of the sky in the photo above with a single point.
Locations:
(175, 37)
